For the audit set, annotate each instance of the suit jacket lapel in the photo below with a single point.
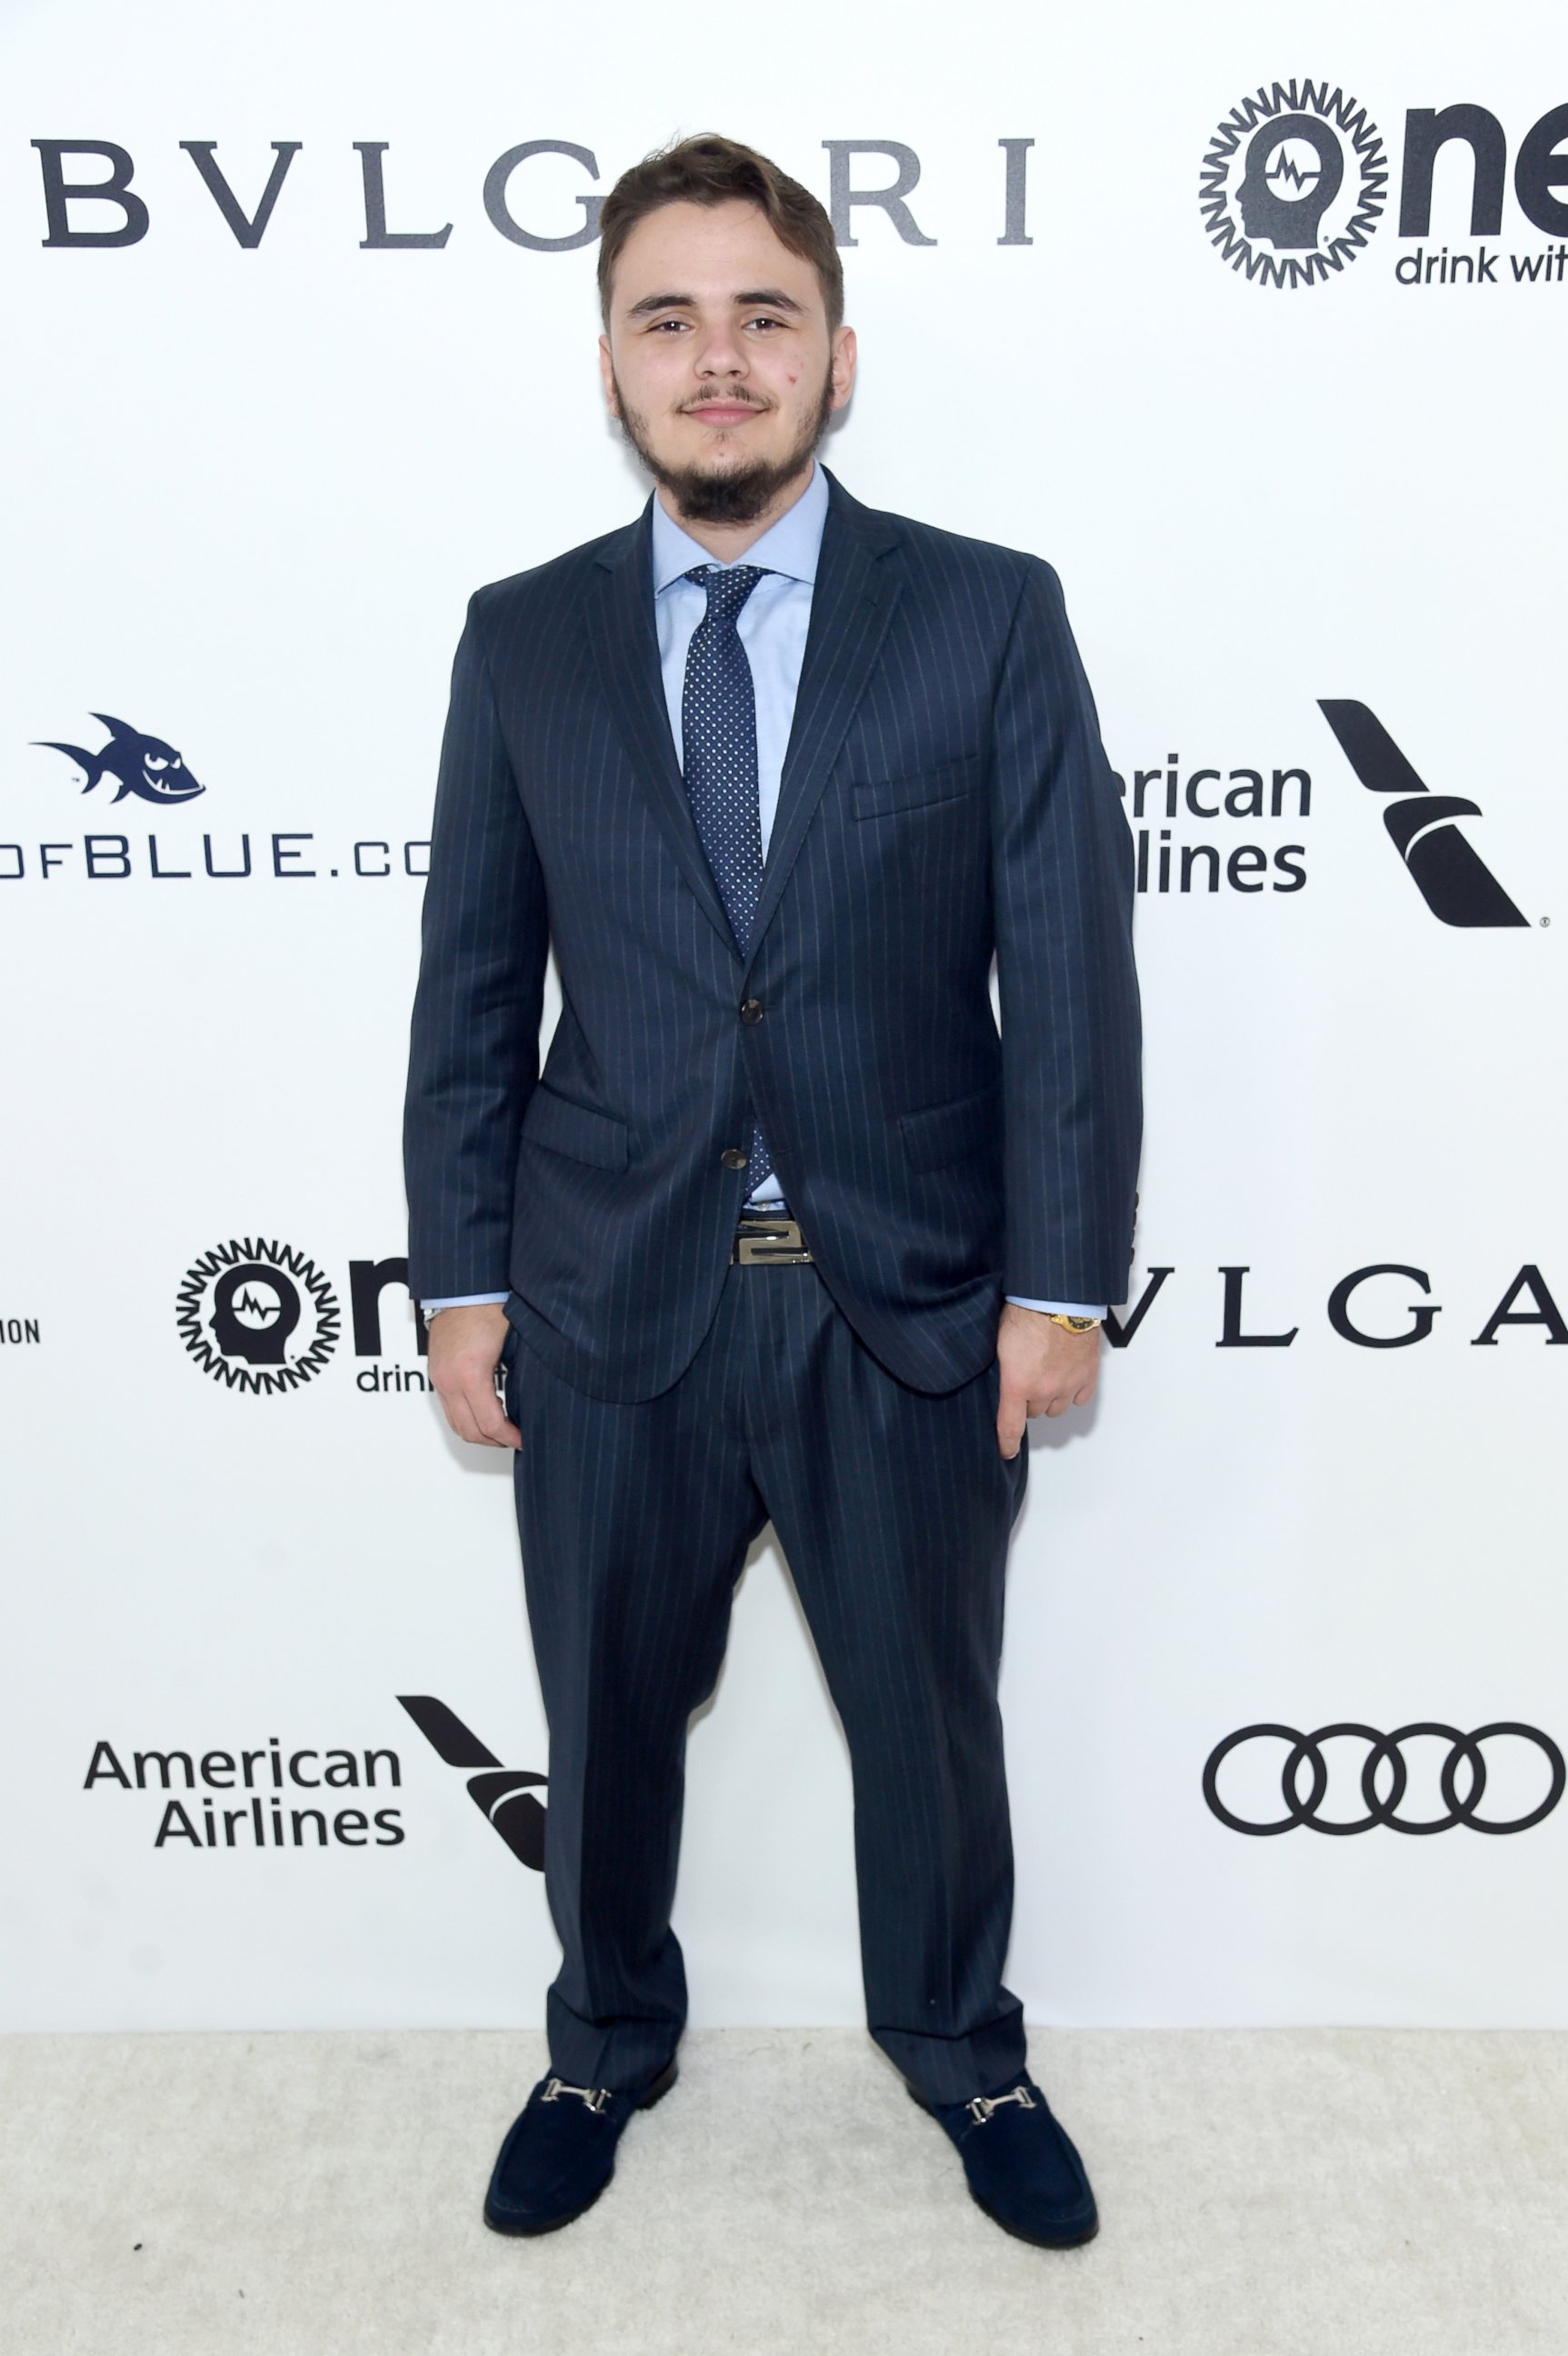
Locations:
(626, 646)
(851, 608)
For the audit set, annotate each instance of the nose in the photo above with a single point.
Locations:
(721, 354)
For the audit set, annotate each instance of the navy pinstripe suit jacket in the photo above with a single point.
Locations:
(945, 797)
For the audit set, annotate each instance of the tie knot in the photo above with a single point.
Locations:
(728, 587)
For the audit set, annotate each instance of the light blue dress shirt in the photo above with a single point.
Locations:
(773, 623)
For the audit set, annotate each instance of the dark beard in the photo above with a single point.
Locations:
(742, 493)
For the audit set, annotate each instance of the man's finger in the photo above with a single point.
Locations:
(489, 1416)
(1011, 1411)
(477, 1416)
(459, 1417)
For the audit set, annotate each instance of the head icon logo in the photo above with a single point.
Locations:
(1295, 168)
(254, 1310)
(1293, 183)
(139, 763)
(257, 1316)
(1454, 881)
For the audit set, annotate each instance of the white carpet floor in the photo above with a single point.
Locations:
(1327, 2192)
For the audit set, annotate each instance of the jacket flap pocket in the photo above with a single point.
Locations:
(946, 1132)
(567, 1128)
(880, 796)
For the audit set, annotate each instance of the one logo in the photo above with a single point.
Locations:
(1293, 183)
(139, 765)
(1457, 887)
(504, 1794)
(258, 1316)
(1383, 1808)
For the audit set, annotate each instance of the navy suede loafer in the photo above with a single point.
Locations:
(1022, 2166)
(560, 2153)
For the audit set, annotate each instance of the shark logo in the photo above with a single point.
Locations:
(503, 1794)
(1456, 884)
(140, 765)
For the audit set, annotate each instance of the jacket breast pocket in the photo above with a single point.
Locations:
(575, 1130)
(881, 797)
(946, 1132)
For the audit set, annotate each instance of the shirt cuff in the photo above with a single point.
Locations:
(1059, 1308)
(462, 1301)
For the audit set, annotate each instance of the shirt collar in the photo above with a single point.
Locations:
(791, 546)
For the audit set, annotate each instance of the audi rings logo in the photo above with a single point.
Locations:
(1464, 1753)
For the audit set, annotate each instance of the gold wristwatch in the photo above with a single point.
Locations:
(1073, 1325)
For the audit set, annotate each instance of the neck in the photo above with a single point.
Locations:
(727, 542)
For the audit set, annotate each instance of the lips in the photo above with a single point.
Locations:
(724, 413)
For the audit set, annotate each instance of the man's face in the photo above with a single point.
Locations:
(719, 362)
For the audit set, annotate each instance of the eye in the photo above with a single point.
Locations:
(763, 320)
(155, 761)
(177, 763)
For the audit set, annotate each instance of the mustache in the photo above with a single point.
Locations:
(734, 400)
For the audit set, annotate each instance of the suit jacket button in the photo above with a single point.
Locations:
(751, 1010)
(735, 1157)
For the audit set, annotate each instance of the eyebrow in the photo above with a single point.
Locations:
(773, 297)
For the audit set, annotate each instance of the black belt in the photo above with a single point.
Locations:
(768, 1239)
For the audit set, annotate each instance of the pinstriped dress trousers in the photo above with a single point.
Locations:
(894, 1509)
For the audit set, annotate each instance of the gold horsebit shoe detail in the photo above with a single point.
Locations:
(593, 2098)
(762, 1240)
(980, 2110)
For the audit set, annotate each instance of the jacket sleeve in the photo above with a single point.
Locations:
(474, 1048)
(1062, 887)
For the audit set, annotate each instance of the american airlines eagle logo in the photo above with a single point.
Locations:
(1450, 876)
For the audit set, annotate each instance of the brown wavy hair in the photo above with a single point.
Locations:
(711, 170)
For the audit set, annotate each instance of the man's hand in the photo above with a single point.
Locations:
(1045, 1370)
(465, 1350)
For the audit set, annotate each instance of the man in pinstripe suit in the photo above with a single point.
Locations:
(784, 1229)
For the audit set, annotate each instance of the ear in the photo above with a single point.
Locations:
(842, 367)
(606, 377)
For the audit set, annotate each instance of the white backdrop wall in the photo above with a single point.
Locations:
(251, 487)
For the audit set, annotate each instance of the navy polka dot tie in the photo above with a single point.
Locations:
(718, 746)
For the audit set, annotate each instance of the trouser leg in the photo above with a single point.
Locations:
(893, 1509)
(634, 1523)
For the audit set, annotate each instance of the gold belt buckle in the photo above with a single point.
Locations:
(762, 1241)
